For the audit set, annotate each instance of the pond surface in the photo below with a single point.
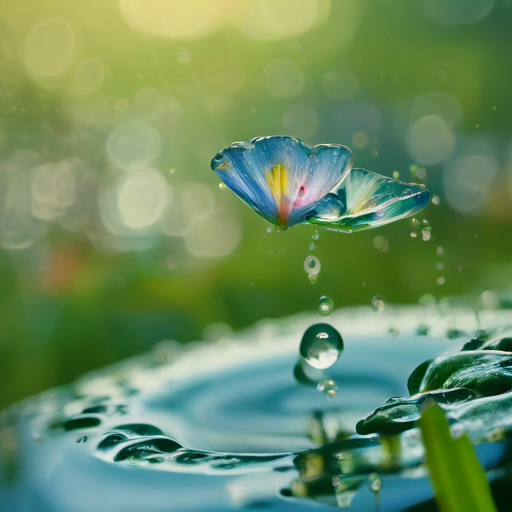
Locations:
(236, 424)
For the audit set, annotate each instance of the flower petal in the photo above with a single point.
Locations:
(280, 177)
(372, 200)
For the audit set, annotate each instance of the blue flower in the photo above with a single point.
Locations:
(289, 183)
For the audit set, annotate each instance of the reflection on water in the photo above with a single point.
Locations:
(229, 424)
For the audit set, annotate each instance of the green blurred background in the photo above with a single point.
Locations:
(114, 231)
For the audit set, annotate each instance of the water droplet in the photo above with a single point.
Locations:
(440, 250)
(396, 175)
(221, 185)
(381, 244)
(378, 304)
(375, 483)
(440, 265)
(82, 439)
(325, 306)
(393, 332)
(312, 247)
(329, 387)
(321, 346)
(413, 235)
(426, 233)
(421, 173)
(316, 236)
(269, 230)
(440, 280)
(312, 265)
(312, 278)
(436, 200)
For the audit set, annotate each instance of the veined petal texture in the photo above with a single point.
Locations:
(289, 183)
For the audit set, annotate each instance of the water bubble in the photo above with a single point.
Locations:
(426, 234)
(321, 346)
(329, 387)
(430, 140)
(49, 47)
(312, 265)
(285, 78)
(133, 144)
(381, 244)
(378, 304)
(325, 306)
(300, 121)
(89, 75)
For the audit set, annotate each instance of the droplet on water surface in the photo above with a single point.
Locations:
(312, 265)
(378, 304)
(321, 346)
(325, 306)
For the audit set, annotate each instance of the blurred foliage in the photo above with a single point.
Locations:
(458, 480)
(91, 271)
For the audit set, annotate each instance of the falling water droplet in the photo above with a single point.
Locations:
(321, 346)
(375, 482)
(325, 306)
(312, 265)
(378, 304)
(329, 387)
(312, 278)
(426, 233)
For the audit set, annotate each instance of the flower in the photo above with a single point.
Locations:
(289, 183)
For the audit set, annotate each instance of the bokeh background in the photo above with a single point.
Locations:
(114, 232)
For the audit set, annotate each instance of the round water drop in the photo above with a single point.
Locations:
(312, 265)
(312, 278)
(321, 346)
(378, 304)
(375, 483)
(325, 306)
(426, 233)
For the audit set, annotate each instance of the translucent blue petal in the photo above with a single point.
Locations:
(280, 177)
(372, 200)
